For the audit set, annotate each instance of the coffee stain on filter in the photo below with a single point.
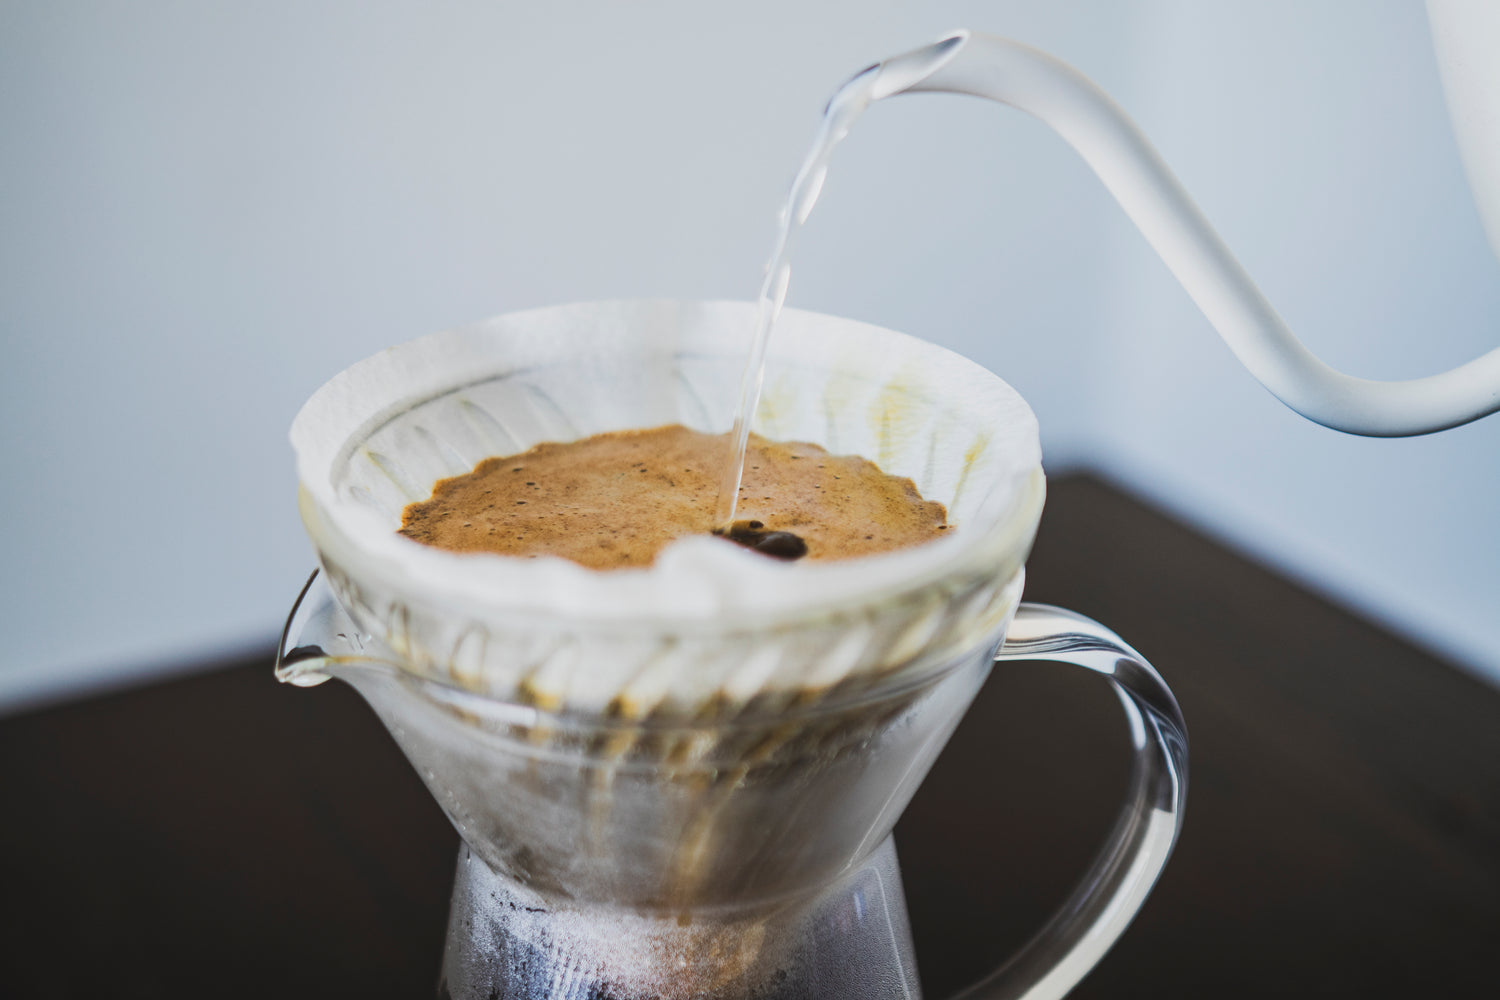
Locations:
(972, 456)
(777, 407)
(895, 412)
(839, 394)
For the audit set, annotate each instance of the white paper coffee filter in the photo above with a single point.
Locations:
(708, 620)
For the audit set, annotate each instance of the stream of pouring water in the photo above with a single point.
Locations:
(847, 104)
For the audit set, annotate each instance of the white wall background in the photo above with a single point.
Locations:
(207, 209)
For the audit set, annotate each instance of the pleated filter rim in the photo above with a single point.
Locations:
(378, 435)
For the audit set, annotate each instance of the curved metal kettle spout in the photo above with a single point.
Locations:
(1124, 159)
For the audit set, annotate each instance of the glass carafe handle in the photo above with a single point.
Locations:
(1122, 875)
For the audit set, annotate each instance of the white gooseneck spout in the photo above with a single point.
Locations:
(1122, 157)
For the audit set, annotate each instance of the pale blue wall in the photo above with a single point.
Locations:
(1314, 135)
(207, 210)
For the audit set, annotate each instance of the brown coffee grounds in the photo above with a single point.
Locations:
(616, 500)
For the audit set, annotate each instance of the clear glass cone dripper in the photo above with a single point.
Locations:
(710, 746)
(737, 814)
(664, 858)
(723, 721)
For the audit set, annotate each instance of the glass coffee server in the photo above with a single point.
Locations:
(681, 781)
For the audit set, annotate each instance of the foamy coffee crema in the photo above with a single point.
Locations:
(616, 500)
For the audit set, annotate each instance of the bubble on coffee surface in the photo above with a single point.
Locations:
(615, 500)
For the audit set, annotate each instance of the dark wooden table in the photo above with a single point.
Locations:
(224, 836)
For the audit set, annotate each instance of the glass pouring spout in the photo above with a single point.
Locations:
(1125, 161)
